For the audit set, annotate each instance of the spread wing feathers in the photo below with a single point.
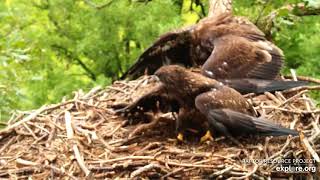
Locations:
(268, 70)
(239, 123)
(155, 100)
(238, 57)
(258, 86)
(170, 48)
(226, 24)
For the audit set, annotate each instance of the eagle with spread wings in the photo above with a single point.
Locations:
(223, 45)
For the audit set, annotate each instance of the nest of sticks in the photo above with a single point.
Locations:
(83, 137)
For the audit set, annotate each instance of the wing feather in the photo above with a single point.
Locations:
(237, 57)
(170, 48)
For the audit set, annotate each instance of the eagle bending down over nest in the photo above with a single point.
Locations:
(204, 103)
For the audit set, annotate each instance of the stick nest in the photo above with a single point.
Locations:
(83, 137)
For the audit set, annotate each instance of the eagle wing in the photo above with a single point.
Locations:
(227, 113)
(238, 57)
(170, 48)
(246, 85)
(154, 100)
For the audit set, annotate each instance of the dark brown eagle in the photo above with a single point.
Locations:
(226, 46)
(206, 103)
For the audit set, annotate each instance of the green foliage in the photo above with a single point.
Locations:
(49, 48)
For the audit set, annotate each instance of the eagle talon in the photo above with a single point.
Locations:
(206, 137)
(180, 137)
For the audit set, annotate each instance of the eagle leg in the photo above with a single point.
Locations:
(206, 137)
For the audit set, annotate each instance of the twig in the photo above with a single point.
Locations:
(172, 173)
(310, 149)
(69, 128)
(15, 117)
(249, 174)
(317, 131)
(149, 146)
(304, 78)
(188, 164)
(122, 159)
(30, 131)
(144, 169)
(221, 172)
(92, 92)
(70, 134)
(117, 89)
(282, 149)
(293, 123)
(23, 170)
(293, 98)
(80, 161)
(115, 129)
(59, 171)
(272, 97)
(292, 111)
(26, 162)
(24, 120)
(151, 158)
(116, 149)
(3, 123)
(5, 146)
(294, 75)
(301, 88)
(150, 125)
(33, 115)
(143, 127)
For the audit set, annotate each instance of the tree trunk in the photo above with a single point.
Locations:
(217, 7)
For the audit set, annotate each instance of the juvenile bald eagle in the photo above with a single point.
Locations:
(229, 49)
(225, 46)
(206, 103)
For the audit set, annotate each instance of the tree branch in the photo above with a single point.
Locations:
(69, 55)
(267, 22)
(198, 3)
(301, 9)
(262, 10)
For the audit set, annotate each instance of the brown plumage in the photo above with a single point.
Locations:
(206, 103)
(225, 44)
(227, 48)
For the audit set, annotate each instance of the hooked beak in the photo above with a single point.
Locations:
(155, 77)
(208, 74)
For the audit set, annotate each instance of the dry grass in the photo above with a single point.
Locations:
(83, 137)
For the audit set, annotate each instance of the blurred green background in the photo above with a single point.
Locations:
(49, 48)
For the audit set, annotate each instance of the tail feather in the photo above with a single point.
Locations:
(227, 120)
(259, 86)
(267, 128)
